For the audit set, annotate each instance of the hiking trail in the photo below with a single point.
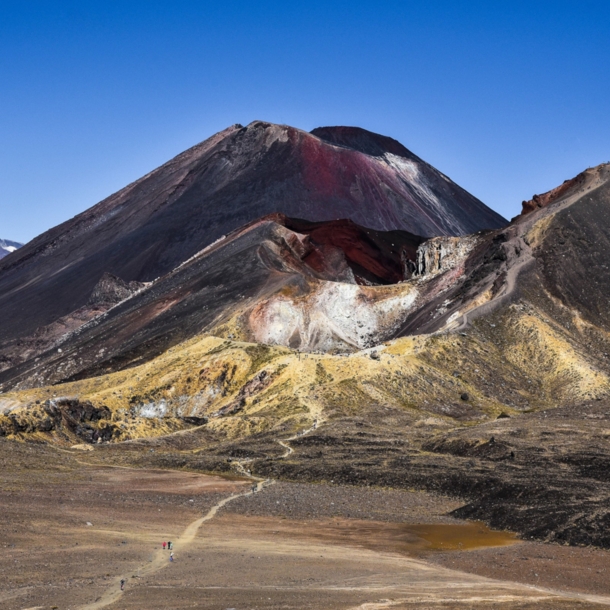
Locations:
(160, 560)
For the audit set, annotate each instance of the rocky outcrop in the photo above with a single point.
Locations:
(439, 254)
(545, 199)
(70, 415)
(111, 290)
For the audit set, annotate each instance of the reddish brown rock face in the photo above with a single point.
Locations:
(379, 257)
(542, 201)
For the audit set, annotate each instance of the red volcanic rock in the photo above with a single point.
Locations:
(240, 174)
(542, 201)
(379, 257)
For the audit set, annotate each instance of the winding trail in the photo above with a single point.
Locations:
(161, 558)
(288, 448)
(240, 465)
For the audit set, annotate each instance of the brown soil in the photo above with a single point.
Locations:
(308, 551)
(545, 565)
(51, 556)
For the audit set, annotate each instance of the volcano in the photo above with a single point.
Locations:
(237, 176)
(271, 280)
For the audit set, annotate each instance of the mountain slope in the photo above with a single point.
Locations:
(236, 176)
(298, 284)
(229, 282)
(303, 285)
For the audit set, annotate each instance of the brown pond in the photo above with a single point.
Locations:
(411, 539)
(457, 537)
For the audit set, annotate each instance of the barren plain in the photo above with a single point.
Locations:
(72, 527)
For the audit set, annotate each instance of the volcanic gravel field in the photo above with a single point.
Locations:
(72, 528)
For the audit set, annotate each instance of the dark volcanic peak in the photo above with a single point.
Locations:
(365, 141)
(240, 174)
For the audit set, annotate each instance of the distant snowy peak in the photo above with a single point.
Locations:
(6, 247)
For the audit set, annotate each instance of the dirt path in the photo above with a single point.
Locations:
(545, 595)
(240, 465)
(285, 442)
(483, 601)
(161, 558)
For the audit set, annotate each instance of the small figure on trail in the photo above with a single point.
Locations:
(122, 584)
(254, 488)
(171, 557)
(170, 546)
(164, 544)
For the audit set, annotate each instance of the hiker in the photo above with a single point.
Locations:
(164, 545)
(253, 489)
(170, 546)
(122, 584)
(171, 557)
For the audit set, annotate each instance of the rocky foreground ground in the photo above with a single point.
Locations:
(76, 522)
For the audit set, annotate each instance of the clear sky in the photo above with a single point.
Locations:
(507, 98)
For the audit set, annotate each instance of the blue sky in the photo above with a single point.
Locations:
(507, 98)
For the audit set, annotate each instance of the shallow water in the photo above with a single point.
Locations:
(458, 537)
(414, 539)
